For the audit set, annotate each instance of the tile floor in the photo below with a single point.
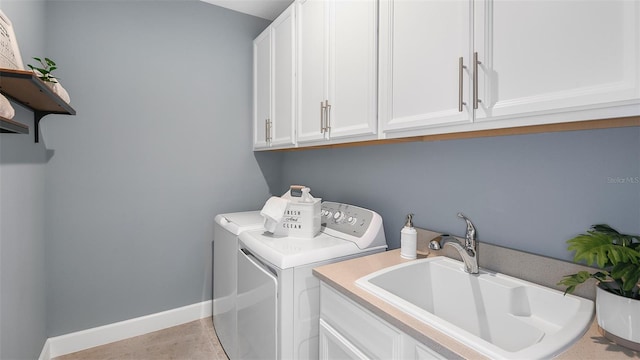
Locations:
(191, 341)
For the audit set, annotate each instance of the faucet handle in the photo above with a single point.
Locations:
(470, 237)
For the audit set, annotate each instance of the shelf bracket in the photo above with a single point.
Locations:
(37, 116)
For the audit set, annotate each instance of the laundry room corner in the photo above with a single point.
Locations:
(270, 163)
(157, 148)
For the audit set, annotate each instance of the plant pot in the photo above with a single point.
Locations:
(58, 90)
(618, 318)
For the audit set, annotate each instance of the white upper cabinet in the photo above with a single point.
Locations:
(283, 38)
(261, 89)
(313, 69)
(551, 57)
(353, 68)
(536, 62)
(274, 84)
(336, 70)
(424, 62)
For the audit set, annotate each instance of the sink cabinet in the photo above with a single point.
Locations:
(274, 83)
(349, 331)
(500, 63)
(337, 70)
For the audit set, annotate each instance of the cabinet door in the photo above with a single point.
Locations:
(353, 68)
(334, 346)
(261, 88)
(539, 57)
(283, 73)
(312, 67)
(423, 352)
(373, 336)
(420, 80)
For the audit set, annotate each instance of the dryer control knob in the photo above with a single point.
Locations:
(338, 216)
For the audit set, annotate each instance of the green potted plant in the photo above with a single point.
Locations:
(617, 257)
(44, 72)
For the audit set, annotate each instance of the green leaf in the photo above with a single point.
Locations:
(628, 273)
(600, 276)
(42, 71)
(618, 238)
(573, 280)
(604, 228)
(597, 248)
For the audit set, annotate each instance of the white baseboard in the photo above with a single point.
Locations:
(46, 351)
(85, 339)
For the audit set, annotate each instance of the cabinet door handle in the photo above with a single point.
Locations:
(327, 128)
(267, 130)
(322, 112)
(475, 80)
(460, 83)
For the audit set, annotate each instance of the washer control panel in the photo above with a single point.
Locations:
(347, 219)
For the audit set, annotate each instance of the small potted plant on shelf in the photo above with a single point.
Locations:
(617, 256)
(44, 73)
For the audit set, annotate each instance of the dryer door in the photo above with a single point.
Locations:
(257, 308)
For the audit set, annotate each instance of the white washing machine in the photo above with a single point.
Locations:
(278, 296)
(226, 229)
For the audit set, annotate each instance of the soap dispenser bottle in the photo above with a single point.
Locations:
(408, 239)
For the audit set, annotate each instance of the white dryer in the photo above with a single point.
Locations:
(226, 229)
(278, 296)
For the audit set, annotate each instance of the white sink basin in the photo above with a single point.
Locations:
(495, 314)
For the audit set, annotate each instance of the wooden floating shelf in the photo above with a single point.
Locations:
(25, 88)
(13, 127)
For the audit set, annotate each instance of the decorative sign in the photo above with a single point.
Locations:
(9, 53)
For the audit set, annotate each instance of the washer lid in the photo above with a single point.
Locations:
(240, 221)
(285, 252)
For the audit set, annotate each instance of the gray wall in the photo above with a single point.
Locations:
(22, 239)
(160, 145)
(527, 192)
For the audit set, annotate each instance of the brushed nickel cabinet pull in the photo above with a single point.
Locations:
(327, 128)
(267, 131)
(322, 108)
(460, 83)
(475, 80)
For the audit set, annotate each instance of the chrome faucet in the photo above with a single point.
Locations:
(468, 252)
